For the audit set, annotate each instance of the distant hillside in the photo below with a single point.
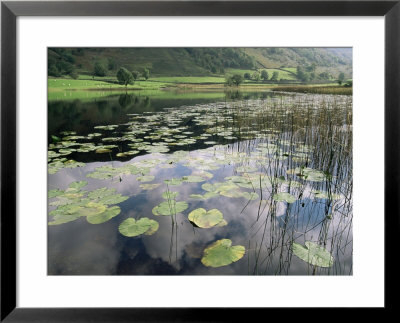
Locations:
(199, 61)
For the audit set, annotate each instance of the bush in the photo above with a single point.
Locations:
(99, 70)
(124, 76)
(236, 80)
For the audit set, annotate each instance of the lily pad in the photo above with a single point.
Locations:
(222, 253)
(74, 203)
(284, 197)
(173, 181)
(313, 254)
(108, 214)
(78, 185)
(146, 178)
(308, 174)
(170, 207)
(206, 196)
(193, 179)
(326, 195)
(149, 187)
(206, 219)
(102, 150)
(132, 228)
(170, 195)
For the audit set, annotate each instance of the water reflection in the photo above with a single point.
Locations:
(264, 226)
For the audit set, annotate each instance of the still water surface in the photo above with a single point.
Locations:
(277, 168)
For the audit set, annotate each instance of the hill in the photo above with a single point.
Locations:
(201, 61)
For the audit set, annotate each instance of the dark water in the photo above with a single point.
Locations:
(256, 137)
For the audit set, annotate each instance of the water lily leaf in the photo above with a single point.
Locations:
(313, 254)
(73, 164)
(102, 150)
(92, 208)
(112, 199)
(206, 196)
(154, 225)
(219, 187)
(170, 207)
(63, 218)
(78, 185)
(232, 193)
(206, 219)
(308, 174)
(250, 196)
(173, 181)
(149, 186)
(54, 193)
(170, 195)
(246, 169)
(132, 228)
(193, 179)
(326, 195)
(100, 193)
(147, 178)
(108, 214)
(222, 253)
(284, 197)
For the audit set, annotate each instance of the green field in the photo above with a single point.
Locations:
(62, 84)
(189, 79)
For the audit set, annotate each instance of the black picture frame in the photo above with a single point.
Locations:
(10, 10)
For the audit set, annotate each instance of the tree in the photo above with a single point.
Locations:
(135, 75)
(146, 74)
(247, 76)
(99, 69)
(256, 76)
(275, 76)
(264, 75)
(340, 78)
(229, 80)
(111, 64)
(124, 76)
(236, 79)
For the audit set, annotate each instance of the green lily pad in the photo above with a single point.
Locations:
(147, 178)
(235, 193)
(112, 199)
(108, 214)
(92, 208)
(78, 185)
(222, 253)
(170, 207)
(193, 179)
(219, 187)
(313, 254)
(149, 187)
(206, 219)
(308, 174)
(74, 203)
(170, 195)
(132, 228)
(102, 150)
(64, 218)
(326, 195)
(54, 193)
(284, 197)
(173, 181)
(206, 196)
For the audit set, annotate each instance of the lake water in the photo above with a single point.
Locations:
(200, 184)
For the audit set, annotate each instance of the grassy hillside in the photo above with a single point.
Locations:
(165, 64)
